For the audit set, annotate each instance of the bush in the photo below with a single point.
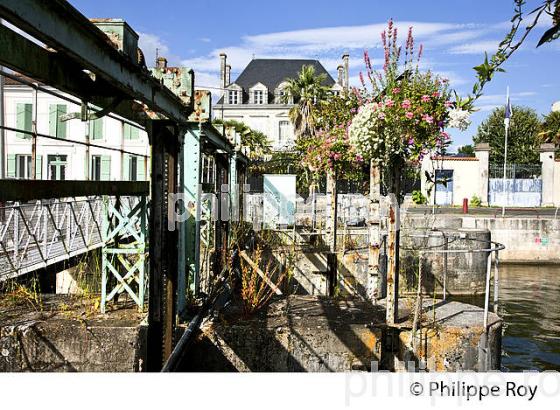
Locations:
(418, 198)
(476, 201)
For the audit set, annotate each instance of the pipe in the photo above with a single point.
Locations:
(176, 356)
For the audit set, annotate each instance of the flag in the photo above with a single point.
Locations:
(509, 111)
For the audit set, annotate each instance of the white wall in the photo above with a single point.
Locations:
(264, 118)
(465, 177)
(556, 190)
(76, 130)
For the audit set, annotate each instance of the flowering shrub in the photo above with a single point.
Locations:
(330, 150)
(404, 115)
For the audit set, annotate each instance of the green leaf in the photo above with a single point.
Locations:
(549, 34)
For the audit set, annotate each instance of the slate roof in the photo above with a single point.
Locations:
(272, 72)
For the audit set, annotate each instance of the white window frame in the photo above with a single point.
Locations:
(26, 168)
(258, 97)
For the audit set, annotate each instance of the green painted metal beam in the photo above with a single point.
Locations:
(189, 229)
(63, 28)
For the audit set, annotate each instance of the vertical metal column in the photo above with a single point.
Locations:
(189, 228)
(163, 245)
(374, 234)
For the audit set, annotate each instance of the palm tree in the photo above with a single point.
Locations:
(307, 90)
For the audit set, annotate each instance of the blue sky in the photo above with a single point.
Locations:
(455, 35)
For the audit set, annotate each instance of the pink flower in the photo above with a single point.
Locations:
(337, 156)
(448, 104)
(425, 98)
(389, 103)
(359, 158)
(381, 116)
(435, 94)
(428, 118)
(406, 104)
(396, 90)
(410, 141)
(409, 115)
(444, 135)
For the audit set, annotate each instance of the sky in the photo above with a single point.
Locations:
(455, 35)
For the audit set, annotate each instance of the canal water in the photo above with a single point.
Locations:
(529, 303)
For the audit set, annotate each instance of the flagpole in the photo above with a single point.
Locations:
(506, 126)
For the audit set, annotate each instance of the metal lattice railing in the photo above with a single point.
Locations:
(35, 235)
(38, 234)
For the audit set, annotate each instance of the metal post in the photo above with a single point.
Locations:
(506, 125)
(487, 291)
(34, 129)
(163, 246)
(496, 282)
(393, 247)
(445, 260)
(189, 230)
(374, 234)
(2, 131)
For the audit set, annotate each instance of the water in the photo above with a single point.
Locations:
(529, 303)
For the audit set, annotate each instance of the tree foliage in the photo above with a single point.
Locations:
(467, 150)
(307, 90)
(523, 138)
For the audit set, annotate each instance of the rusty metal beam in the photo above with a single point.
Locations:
(29, 190)
(47, 67)
(60, 26)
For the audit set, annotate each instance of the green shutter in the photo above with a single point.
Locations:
(52, 120)
(140, 170)
(126, 168)
(24, 119)
(11, 166)
(105, 168)
(130, 132)
(60, 125)
(38, 167)
(96, 129)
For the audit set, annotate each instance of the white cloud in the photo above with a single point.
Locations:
(151, 45)
(479, 47)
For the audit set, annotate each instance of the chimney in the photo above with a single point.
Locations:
(161, 63)
(340, 79)
(346, 63)
(223, 65)
(228, 74)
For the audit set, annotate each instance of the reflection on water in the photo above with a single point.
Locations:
(529, 299)
(529, 303)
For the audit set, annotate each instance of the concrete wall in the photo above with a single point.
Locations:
(113, 137)
(556, 189)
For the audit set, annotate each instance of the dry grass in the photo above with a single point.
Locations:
(255, 292)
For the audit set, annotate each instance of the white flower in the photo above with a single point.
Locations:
(459, 119)
(556, 107)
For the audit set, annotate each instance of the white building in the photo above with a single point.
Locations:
(255, 97)
(61, 158)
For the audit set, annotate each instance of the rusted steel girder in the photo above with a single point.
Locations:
(75, 38)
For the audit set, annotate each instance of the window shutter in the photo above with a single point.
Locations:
(38, 167)
(23, 120)
(105, 168)
(96, 129)
(126, 131)
(60, 125)
(11, 166)
(140, 170)
(53, 120)
(126, 168)
(134, 133)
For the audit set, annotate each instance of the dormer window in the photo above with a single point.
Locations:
(281, 93)
(258, 94)
(233, 97)
(258, 97)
